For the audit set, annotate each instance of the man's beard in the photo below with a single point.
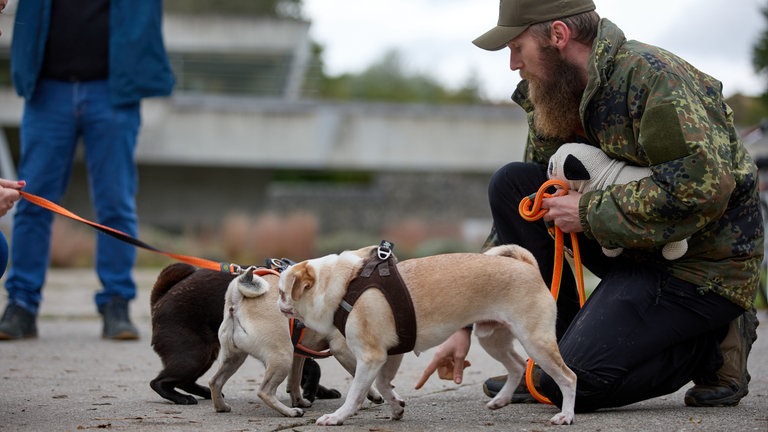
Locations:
(556, 97)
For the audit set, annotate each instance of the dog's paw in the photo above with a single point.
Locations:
(329, 420)
(327, 393)
(301, 403)
(562, 419)
(185, 400)
(498, 402)
(224, 407)
(375, 397)
(397, 412)
(295, 412)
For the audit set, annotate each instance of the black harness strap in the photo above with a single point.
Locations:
(382, 274)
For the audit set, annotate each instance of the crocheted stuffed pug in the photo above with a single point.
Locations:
(585, 168)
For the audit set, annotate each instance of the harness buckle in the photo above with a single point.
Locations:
(385, 250)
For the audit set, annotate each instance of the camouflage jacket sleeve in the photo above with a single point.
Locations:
(691, 178)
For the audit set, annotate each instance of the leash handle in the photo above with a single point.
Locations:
(198, 262)
(530, 210)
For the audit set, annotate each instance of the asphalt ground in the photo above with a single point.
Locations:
(69, 379)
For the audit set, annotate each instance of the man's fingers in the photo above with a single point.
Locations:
(458, 371)
(425, 376)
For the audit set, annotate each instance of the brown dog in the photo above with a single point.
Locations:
(253, 325)
(187, 310)
(501, 292)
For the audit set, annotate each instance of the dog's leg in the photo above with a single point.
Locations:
(278, 366)
(384, 384)
(547, 355)
(366, 371)
(231, 360)
(346, 359)
(165, 387)
(499, 342)
(294, 383)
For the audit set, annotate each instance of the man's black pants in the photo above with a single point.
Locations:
(641, 333)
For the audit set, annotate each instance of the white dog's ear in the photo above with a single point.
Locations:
(251, 285)
(303, 279)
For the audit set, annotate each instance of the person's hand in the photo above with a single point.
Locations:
(3, 4)
(449, 359)
(563, 211)
(9, 193)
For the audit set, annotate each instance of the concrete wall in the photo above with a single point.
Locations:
(203, 158)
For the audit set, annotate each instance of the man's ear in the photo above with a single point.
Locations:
(573, 169)
(559, 34)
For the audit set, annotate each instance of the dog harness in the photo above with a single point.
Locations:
(380, 272)
(296, 329)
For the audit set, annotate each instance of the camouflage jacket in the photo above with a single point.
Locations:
(647, 107)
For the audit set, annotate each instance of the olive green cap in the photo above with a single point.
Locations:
(517, 15)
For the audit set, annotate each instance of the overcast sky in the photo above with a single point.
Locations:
(435, 36)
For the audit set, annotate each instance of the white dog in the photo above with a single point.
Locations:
(501, 291)
(254, 326)
(585, 168)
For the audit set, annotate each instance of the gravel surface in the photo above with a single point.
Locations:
(70, 379)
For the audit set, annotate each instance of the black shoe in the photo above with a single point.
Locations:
(731, 382)
(492, 387)
(17, 323)
(117, 323)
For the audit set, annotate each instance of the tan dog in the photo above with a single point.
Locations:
(500, 291)
(253, 325)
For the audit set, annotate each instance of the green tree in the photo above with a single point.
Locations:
(271, 8)
(388, 80)
(760, 54)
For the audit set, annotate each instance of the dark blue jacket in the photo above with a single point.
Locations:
(138, 62)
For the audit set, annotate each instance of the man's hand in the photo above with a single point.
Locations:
(563, 211)
(449, 359)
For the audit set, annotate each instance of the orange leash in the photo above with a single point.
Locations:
(530, 210)
(198, 262)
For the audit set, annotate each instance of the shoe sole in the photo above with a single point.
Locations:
(122, 336)
(517, 398)
(724, 402)
(7, 337)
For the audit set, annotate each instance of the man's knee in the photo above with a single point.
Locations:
(515, 180)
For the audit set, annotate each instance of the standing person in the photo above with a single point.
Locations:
(9, 194)
(651, 325)
(83, 67)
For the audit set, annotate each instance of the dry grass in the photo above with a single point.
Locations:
(249, 240)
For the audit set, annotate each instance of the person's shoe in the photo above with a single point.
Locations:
(117, 323)
(17, 323)
(731, 382)
(492, 387)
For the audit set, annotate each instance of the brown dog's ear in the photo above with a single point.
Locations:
(303, 279)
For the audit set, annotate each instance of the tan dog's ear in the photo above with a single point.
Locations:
(303, 279)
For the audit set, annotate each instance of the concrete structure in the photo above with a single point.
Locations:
(205, 149)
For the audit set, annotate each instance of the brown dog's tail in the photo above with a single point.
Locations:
(513, 251)
(168, 277)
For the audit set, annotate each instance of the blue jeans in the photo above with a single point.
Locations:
(3, 254)
(54, 119)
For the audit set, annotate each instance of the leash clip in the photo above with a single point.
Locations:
(236, 269)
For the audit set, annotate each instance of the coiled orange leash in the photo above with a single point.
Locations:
(530, 210)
